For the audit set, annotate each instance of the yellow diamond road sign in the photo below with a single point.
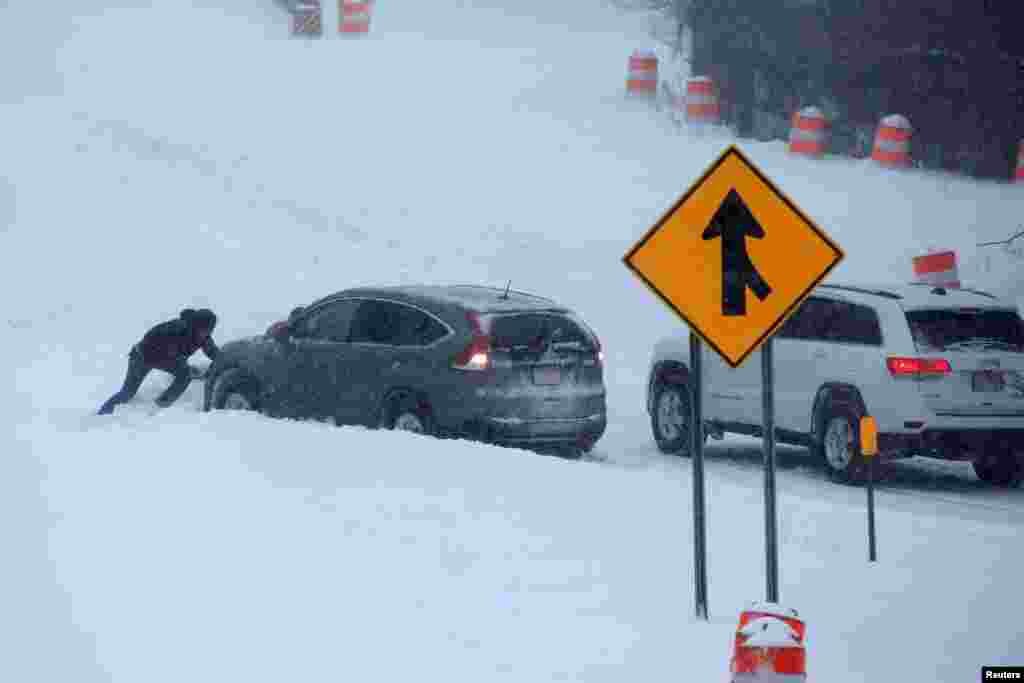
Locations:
(734, 257)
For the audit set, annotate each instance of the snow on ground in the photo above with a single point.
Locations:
(156, 158)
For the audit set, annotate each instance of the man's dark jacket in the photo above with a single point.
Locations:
(170, 344)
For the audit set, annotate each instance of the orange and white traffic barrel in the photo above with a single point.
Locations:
(354, 17)
(701, 100)
(769, 646)
(1019, 175)
(807, 134)
(892, 141)
(642, 78)
(937, 268)
(306, 19)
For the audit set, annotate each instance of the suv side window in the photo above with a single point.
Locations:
(329, 323)
(808, 322)
(386, 322)
(416, 328)
(373, 324)
(854, 324)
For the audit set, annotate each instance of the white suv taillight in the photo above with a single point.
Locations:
(917, 367)
(476, 356)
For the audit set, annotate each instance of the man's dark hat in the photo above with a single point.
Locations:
(202, 318)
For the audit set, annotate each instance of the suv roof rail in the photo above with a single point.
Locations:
(956, 289)
(502, 291)
(980, 293)
(864, 290)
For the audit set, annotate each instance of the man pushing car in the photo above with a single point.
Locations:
(167, 347)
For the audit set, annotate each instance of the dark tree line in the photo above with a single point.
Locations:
(953, 67)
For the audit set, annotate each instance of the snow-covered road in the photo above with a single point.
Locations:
(191, 155)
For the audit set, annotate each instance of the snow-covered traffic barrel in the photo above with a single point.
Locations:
(354, 17)
(1019, 175)
(306, 19)
(701, 100)
(769, 646)
(642, 77)
(892, 142)
(807, 134)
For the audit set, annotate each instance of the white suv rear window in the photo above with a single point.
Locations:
(967, 330)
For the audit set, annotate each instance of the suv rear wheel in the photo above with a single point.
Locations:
(672, 419)
(407, 414)
(840, 445)
(1004, 469)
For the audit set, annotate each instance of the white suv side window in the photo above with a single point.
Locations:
(835, 321)
(809, 321)
(852, 324)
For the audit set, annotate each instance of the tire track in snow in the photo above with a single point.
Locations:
(121, 137)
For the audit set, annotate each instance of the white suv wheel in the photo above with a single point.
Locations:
(671, 422)
(838, 443)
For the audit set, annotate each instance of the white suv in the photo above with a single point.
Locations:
(941, 370)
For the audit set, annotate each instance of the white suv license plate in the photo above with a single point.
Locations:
(988, 381)
(547, 375)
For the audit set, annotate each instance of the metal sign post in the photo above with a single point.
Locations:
(700, 567)
(770, 515)
(872, 552)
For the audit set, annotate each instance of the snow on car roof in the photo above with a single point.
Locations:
(474, 297)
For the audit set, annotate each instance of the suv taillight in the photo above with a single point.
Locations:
(598, 351)
(916, 367)
(476, 356)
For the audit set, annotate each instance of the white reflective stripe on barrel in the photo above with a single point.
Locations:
(700, 99)
(939, 277)
(768, 677)
(891, 145)
(799, 134)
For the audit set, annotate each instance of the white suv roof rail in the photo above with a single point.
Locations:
(942, 290)
(864, 290)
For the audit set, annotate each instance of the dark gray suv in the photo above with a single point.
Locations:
(462, 361)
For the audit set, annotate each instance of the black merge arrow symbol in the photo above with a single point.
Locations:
(734, 223)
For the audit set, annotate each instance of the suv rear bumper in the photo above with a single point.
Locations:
(583, 432)
(951, 443)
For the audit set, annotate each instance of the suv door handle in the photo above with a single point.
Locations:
(397, 364)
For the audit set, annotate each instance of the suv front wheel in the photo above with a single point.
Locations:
(235, 390)
(840, 445)
(672, 418)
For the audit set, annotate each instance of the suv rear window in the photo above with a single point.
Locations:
(533, 331)
(967, 330)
